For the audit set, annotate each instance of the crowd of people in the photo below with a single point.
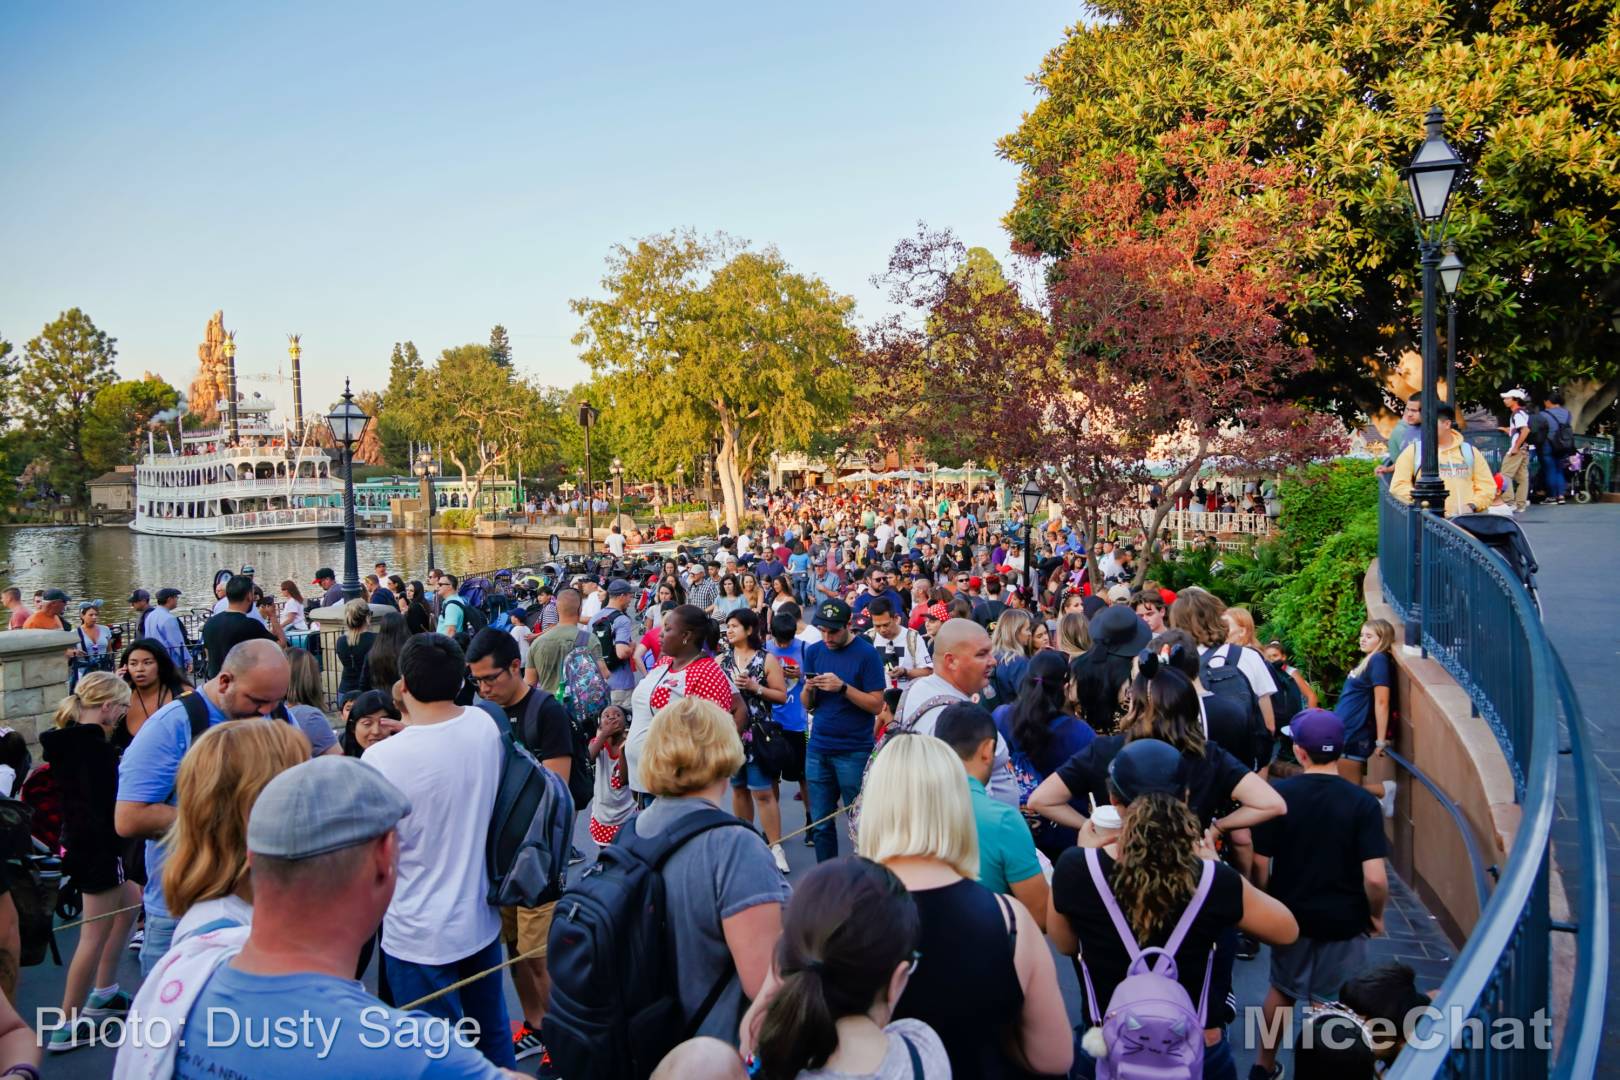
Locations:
(1026, 763)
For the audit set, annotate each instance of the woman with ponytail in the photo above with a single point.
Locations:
(847, 950)
(84, 763)
(1041, 734)
(1153, 870)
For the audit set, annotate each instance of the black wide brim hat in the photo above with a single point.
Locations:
(1120, 630)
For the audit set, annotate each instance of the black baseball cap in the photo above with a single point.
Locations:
(166, 594)
(138, 595)
(831, 615)
(323, 572)
(1145, 766)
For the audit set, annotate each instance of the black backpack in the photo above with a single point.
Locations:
(614, 1009)
(1562, 440)
(530, 828)
(473, 620)
(603, 629)
(1288, 699)
(197, 714)
(1228, 681)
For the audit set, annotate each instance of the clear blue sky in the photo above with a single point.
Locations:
(365, 173)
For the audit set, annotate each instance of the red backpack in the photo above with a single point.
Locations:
(42, 795)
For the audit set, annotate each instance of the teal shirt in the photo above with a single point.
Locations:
(1006, 848)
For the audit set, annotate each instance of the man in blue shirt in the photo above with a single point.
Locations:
(251, 683)
(321, 837)
(843, 690)
(878, 584)
(621, 673)
(164, 625)
(452, 616)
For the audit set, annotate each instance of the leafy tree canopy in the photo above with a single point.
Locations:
(1338, 91)
(711, 341)
(63, 370)
(116, 423)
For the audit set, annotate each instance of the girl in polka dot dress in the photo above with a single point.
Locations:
(612, 803)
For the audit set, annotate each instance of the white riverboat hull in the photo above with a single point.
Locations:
(259, 532)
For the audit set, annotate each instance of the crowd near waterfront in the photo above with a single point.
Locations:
(1034, 754)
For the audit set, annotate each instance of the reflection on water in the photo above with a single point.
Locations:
(109, 562)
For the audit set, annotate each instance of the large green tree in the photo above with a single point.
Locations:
(63, 370)
(1338, 91)
(116, 424)
(500, 346)
(712, 342)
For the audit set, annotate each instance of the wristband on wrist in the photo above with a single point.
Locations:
(1381, 742)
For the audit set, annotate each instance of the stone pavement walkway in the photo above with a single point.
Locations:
(1578, 549)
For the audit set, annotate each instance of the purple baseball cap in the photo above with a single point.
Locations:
(1318, 731)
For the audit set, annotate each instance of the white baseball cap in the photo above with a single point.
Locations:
(1516, 392)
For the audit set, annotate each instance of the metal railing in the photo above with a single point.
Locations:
(1479, 623)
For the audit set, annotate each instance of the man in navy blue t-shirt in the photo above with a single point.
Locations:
(843, 691)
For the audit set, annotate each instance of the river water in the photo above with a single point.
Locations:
(109, 562)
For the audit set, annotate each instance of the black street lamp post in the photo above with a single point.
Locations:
(348, 422)
(1429, 178)
(618, 493)
(587, 420)
(426, 469)
(1451, 272)
(1030, 497)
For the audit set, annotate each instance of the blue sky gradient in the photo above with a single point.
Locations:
(364, 173)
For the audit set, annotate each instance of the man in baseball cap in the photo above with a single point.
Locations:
(1326, 864)
(49, 616)
(843, 689)
(140, 602)
(321, 837)
(327, 580)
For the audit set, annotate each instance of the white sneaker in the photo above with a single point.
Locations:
(1388, 800)
(781, 859)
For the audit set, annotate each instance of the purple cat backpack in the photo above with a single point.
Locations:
(1150, 1028)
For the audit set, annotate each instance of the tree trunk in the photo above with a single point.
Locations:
(730, 483)
(1586, 398)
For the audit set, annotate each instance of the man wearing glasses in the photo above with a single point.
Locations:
(540, 723)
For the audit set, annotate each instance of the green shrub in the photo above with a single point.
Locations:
(1319, 500)
(1319, 610)
(460, 518)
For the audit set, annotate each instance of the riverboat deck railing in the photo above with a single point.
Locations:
(1477, 620)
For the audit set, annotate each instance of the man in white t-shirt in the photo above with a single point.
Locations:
(962, 666)
(884, 533)
(439, 927)
(745, 543)
(591, 606)
(615, 542)
(904, 652)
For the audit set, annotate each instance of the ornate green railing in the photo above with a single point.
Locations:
(1491, 1016)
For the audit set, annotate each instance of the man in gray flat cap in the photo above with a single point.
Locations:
(321, 851)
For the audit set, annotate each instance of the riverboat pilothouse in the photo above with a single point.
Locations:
(248, 477)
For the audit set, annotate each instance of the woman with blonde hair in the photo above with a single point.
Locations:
(84, 762)
(990, 988)
(1364, 702)
(1010, 644)
(723, 887)
(1073, 635)
(354, 644)
(205, 877)
(306, 702)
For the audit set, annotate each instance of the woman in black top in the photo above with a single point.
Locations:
(382, 662)
(989, 986)
(418, 617)
(1153, 869)
(354, 644)
(1163, 706)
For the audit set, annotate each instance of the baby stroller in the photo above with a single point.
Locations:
(1504, 537)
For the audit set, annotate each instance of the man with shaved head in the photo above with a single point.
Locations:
(962, 666)
(252, 681)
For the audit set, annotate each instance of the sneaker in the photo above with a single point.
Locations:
(526, 1043)
(114, 1004)
(1257, 1072)
(575, 857)
(81, 1032)
(781, 859)
(137, 939)
(809, 841)
(1388, 799)
(1247, 948)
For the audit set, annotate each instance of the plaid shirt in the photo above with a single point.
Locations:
(704, 593)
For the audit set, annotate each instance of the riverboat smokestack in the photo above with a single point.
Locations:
(230, 384)
(295, 350)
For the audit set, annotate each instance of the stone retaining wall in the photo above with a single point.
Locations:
(33, 679)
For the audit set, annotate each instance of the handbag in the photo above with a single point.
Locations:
(768, 743)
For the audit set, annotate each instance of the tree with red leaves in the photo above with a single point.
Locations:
(1155, 346)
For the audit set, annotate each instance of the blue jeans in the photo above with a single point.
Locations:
(155, 940)
(483, 1001)
(1552, 472)
(1218, 1061)
(830, 775)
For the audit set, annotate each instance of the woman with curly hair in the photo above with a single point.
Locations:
(1166, 881)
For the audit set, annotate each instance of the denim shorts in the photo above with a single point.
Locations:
(1358, 746)
(752, 777)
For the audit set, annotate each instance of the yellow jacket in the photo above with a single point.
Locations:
(1466, 473)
